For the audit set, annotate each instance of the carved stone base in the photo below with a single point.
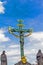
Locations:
(20, 63)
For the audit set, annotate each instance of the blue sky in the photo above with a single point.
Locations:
(31, 11)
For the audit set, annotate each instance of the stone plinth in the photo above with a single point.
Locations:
(20, 63)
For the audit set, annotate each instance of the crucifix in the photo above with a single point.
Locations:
(21, 35)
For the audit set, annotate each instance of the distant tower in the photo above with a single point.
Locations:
(39, 58)
(3, 58)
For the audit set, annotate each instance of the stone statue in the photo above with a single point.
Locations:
(3, 58)
(39, 58)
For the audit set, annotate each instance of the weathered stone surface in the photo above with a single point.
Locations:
(3, 58)
(20, 63)
(39, 58)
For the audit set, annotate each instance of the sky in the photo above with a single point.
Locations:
(31, 11)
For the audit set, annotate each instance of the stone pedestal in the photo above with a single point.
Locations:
(20, 63)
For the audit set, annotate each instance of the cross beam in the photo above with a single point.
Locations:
(21, 32)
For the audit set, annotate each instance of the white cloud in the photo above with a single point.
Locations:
(2, 8)
(13, 52)
(38, 36)
(13, 46)
(2, 46)
(14, 58)
(31, 51)
(3, 38)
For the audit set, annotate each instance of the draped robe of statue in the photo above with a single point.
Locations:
(3, 58)
(39, 58)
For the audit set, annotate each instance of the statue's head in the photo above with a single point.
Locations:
(3, 52)
(23, 59)
(39, 51)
